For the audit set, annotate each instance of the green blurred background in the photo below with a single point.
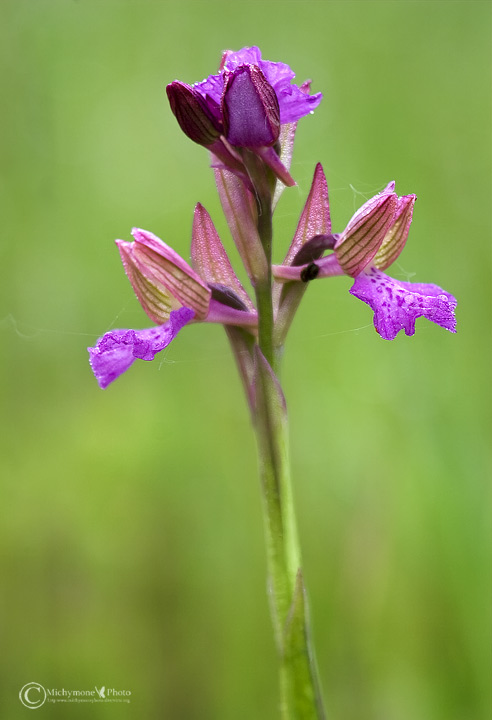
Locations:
(131, 534)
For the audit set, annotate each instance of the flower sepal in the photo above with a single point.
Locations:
(161, 279)
(365, 232)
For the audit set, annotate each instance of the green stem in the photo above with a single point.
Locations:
(300, 693)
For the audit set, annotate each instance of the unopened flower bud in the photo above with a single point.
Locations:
(193, 114)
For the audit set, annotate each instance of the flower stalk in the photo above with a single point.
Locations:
(300, 691)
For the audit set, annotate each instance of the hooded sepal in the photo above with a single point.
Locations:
(364, 234)
(294, 102)
(161, 279)
(396, 237)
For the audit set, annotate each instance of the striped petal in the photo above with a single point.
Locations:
(364, 234)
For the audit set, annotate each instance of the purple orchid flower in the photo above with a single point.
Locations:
(371, 242)
(244, 106)
(292, 101)
(173, 295)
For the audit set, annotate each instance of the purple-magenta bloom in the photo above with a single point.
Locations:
(371, 242)
(398, 304)
(244, 106)
(117, 350)
(292, 101)
(172, 294)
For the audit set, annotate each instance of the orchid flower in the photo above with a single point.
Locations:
(173, 295)
(373, 239)
(244, 106)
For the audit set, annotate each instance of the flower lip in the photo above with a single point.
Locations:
(398, 304)
(117, 350)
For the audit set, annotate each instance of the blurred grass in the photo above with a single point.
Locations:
(132, 546)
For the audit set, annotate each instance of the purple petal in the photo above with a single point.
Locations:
(211, 89)
(293, 102)
(117, 349)
(251, 55)
(397, 304)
